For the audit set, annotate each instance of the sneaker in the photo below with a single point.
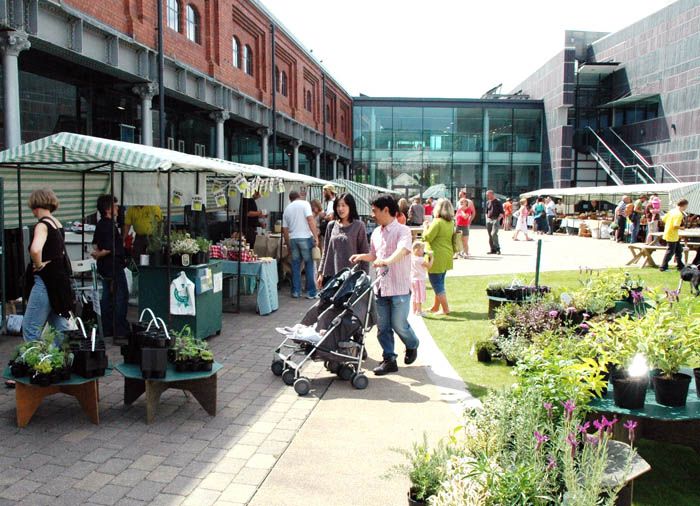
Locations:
(411, 355)
(386, 367)
(295, 295)
(311, 297)
(663, 269)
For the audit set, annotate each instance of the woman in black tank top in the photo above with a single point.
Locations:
(48, 288)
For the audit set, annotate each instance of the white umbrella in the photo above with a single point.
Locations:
(437, 191)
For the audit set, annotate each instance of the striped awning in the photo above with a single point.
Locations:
(78, 153)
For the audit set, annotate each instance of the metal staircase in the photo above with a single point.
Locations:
(659, 173)
(620, 171)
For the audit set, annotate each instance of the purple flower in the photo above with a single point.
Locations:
(541, 439)
(637, 297)
(586, 316)
(584, 326)
(672, 295)
(583, 428)
(569, 408)
(630, 425)
(599, 426)
(570, 309)
(554, 313)
(571, 440)
(591, 439)
(551, 463)
(548, 407)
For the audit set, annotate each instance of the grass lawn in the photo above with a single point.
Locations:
(674, 476)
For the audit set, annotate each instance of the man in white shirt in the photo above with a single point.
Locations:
(301, 235)
(550, 208)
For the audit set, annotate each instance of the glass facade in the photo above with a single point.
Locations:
(474, 144)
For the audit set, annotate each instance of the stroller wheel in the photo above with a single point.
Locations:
(333, 367)
(360, 381)
(277, 367)
(288, 377)
(346, 372)
(302, 386)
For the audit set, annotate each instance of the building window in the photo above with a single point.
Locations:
(284, 83)
(174, 15)
(248, 60)
(328, 113)
(193, 25)
(236, 47)
(342, 123)
(308, 104)
(277, 79)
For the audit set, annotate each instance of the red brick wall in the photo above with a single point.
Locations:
(220, 21)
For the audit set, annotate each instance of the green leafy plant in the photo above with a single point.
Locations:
(182, 244)
(156, 241)
(203, 244)
(675, 337)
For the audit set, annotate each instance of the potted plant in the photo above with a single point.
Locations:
(426, 468)
(182, 248)
(485, 350)
(202, 256)
(673, 343)
(496, 290)
(156, 243)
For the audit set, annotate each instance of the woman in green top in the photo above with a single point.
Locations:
(439, 239)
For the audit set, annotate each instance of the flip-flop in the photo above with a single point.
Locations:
(10, 384)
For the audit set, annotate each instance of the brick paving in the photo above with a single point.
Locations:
(185, 456)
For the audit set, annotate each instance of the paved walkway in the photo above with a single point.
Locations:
(559, 253)
(266, 444)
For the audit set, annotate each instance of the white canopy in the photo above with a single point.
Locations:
(363, 194)
(672, 191)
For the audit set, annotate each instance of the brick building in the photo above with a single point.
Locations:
(91, 67)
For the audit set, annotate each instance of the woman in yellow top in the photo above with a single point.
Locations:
(439, 239)
(143, 219)
(673, 222)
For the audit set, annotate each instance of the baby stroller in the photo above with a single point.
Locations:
(332, 330)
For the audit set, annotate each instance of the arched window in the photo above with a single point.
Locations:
(174, 15)
(277, 79)
(284, 83)
(236, 55)
(248, 60)
(193, 24)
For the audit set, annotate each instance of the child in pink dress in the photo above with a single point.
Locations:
(420, 263)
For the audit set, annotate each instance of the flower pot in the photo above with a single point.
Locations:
(629, 392)
(180, 366)
(40, 379)
(88, 363)
(495, 292)
(414, 502)
(19, 369)
(652, 374)
(205, 365)
(200, 257)
(483, 355)
(696, 373)
(154, 363)
(672, 391)
(157, 258)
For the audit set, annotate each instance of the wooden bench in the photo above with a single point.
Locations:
(643, 251)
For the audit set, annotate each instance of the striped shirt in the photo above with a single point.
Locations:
(384, 242)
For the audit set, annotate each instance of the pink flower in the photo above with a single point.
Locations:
(630, 425)
(569, 408)
(571, 439)
(591, 439)
(548, 407)
(541, 439)
(551, 463)
(583, 428)
(553, 313)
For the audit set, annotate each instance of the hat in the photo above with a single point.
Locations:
(329, 187)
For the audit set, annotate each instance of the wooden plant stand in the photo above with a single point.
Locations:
(29, 397)
(202, 385)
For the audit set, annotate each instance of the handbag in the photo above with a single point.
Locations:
(316, 253)
(457, 245)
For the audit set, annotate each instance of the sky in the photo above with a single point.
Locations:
(444, 48)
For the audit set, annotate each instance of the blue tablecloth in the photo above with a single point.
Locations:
(266, 275)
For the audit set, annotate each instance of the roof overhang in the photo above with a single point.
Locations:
(599, 69)
(640, 99)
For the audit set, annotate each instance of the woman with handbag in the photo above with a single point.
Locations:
(345, 236)
(48, 289)
(439, 239)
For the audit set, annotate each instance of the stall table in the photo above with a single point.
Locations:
(154, 288)
(201, 384)
(679, 425)
(29, 396)
(265, 274)
(643, 251)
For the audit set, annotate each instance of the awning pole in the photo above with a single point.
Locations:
(115, 221)
(168, 258)
(21, 231)
(82, 210)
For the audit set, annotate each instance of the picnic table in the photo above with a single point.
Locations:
(201, 384)
(29, 396)
(644, 252)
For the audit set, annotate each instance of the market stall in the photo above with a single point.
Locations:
(589, 211)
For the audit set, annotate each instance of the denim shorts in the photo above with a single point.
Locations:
(437, 281)
(464, 230)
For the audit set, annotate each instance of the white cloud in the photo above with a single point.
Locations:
(444, 48)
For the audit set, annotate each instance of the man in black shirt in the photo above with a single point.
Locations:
(494, 215)
(251, 218)
(110, 255)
